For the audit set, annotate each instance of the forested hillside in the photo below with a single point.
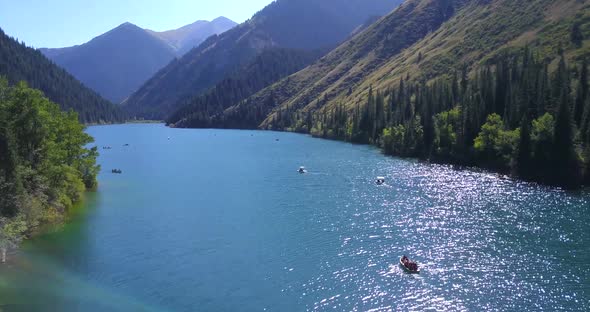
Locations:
(459, 57)
(513, 116)
(296, 24)
(352, 61)
(44, 165)
(21, 63)
(270, 66)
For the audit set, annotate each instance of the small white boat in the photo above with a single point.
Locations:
(380, 180)
(302, 170)
(408, 265)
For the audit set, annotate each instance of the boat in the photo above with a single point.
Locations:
(302, 170)
(409, 265)
(380, 180)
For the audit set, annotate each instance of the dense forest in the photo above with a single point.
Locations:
(270, 66)
(21, 63)
(513, 115)
(44, 164)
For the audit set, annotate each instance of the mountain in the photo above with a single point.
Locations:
(269, 66)
(421, 40)
(118, 62)
(115, 63)
(500, 84)
(187, 37)
(21, 63)
(293, 24)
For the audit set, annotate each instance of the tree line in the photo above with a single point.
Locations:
(514, 115)
(44, 164)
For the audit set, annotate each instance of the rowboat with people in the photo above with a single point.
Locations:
(409, 265)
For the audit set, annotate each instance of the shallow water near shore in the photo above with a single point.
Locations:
(220, 220)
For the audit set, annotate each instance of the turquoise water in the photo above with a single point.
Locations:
(213, 220)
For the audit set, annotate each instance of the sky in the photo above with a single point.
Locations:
(62, 23)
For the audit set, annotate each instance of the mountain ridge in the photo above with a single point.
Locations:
(116, 63)
(21, 63)
(187, 37)
(302, 25)
(382, 54)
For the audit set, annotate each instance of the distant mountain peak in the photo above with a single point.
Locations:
(119, 61)
(222, 19)
(127, 25)
(189, 36)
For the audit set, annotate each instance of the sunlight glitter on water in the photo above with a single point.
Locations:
(171, 233)
(479, 238)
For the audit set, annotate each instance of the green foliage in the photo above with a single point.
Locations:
(496, 145)
(393, 140)
(488, 139)
(12, 232)
(542, 137)
(45, 165)
(446, 125)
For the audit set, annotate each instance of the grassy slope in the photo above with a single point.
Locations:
(390, 49)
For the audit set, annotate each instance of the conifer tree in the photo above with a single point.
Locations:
(565, 160)
(523, 159)
(581, 94)
(576, 34)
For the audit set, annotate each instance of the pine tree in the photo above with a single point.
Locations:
(576, 35)
(523, 159)
(565, 159)
(560, 84)
(585, 128)
(581, 94)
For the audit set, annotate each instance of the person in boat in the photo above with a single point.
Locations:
(412, 266)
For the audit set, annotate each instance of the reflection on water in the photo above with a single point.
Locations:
(221, 220)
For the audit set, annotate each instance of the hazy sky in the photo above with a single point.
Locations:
(61, 23)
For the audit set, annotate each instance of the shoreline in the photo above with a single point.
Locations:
(458, 165)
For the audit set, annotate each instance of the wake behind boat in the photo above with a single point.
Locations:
(409, 265)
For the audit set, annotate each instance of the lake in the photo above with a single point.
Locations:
(220, 220)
